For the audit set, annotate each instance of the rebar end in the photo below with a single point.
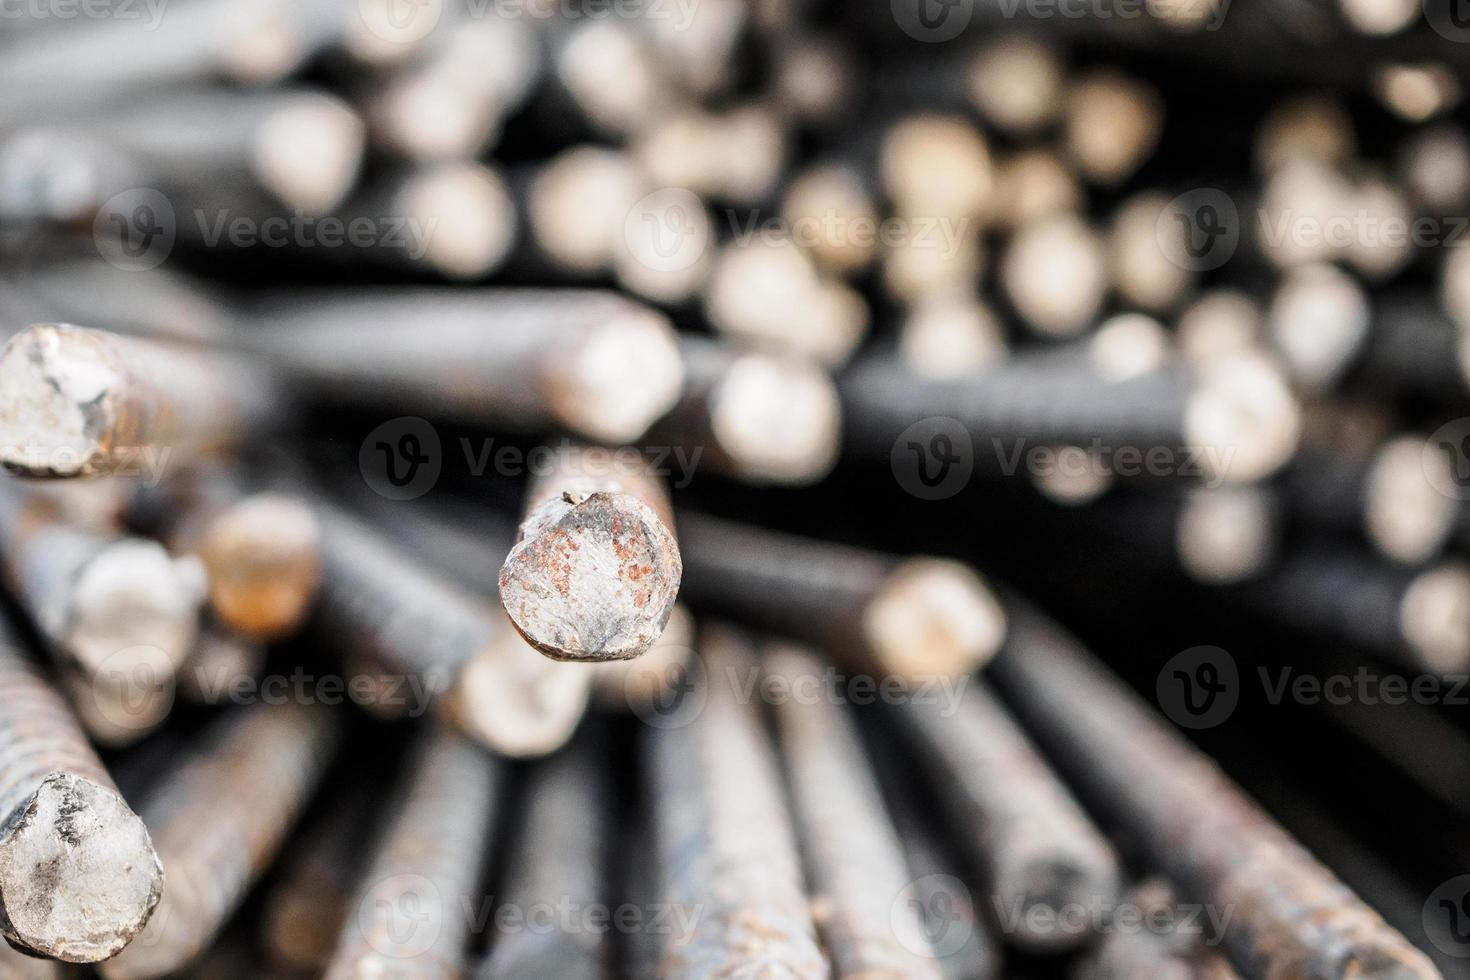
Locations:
(594, 578)
(1226, 534)
(1409, 519)
(133, 608)
(467, 217)
(78, 874)
(263, 557)
(1242, 420)
(624, 377)
(1434, 618)
(516, 702)
(778, 419)
(55, 410)
(933, 618)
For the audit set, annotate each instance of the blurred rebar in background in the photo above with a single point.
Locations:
(784, 488)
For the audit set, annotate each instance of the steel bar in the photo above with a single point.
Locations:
(725, 844)
(595, 570)
(218, 821)
(1292, 916)
(911, 619)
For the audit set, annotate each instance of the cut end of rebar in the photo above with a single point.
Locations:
(933, 618)
(78, 874)
(132, 603)
(309, 152)
(55, 413)
(263, 558)
(622, 379)
(1409, 519)
(517, 703)
(578, 206)
(467, 218)
(1226, 534)
(1242, 421)
(595, 578)
(1434, 618)
(1128, 345)
(778, 419)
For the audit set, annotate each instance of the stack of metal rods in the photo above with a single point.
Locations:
(594, 491)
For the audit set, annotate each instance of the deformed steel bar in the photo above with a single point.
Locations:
(80, 402)
(218, 821)
(558, 861)
(79, 877)
(850, 846)
(592, 362)
(1048, 869)
(725, 844)
(1291, 915)
(1155, 942)
(910, 618)
(411, 915)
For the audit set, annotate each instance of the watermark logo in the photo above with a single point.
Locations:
(668, 230)
(1449, 18)
(149, 12)
(1199, 688)
(402, 458)
(1446, 459)
(400, 916)
(669, 693)
(934, 458)
(405, 22)
(933, 21)
(1199, 230)
(1446, 917)
(933, 916)
(133, 688)
(136, 229)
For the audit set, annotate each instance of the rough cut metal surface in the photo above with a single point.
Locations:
(596, 571)
(558, 859)
(263, 556)
(915, 619)
(1291, 916)
(83, 402)
(219, 820)
(726, 849)
(1044, 860)
(852, 851)
(78, 874)
(410, 919)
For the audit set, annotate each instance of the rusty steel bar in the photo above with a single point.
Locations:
(725, 844)
(1292, 916)
(1046, 866)
(79, 402)
(651, 683)
(851, 848)
(79, 876)
(916, 618)
(558, 860)
(595, 571)
(410, 917)
(592, 362)
(218, 821)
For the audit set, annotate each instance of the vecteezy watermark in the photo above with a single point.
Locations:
(1446, 917)
(148, 14)
(1449, 18)
(136, 229)
(934, 458)
(408, 234)
(668, 230)
(933, 916)
(148, 465)
(1202, 687)
(1199, 230)
(1102, 915)
(408, 695)
(832, 686)
(403, 458)
(1449, 444)
(1199, 688)
(937, 21)
(945, 235)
